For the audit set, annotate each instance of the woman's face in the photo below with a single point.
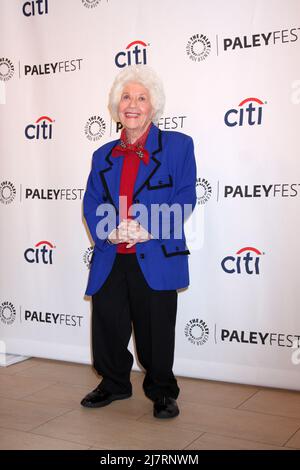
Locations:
(135, 108)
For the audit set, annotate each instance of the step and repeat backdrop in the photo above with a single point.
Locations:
(231, 73)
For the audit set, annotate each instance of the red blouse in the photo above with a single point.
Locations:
(131, 163)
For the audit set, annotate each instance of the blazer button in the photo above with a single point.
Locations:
(142, 256)
(177, 248)
(160, 182)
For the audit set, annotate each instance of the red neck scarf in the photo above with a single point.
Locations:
(136, 149)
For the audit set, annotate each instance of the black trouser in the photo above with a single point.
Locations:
(125, 299)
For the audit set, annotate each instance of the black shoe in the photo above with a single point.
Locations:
(98, 398)
(165, 407)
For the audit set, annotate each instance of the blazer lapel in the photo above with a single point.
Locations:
(111, 174)
(145, 173)
(110, 177)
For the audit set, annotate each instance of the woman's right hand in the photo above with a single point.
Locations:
(120, 234)
(115, 237)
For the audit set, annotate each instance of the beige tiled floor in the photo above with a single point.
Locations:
(39, 409)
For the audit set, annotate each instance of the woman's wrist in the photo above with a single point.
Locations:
(112, 236)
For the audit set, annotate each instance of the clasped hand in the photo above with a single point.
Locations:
(129, 231)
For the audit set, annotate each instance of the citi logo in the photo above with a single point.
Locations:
(246, 261)
(249, 112)
(35, 7)
(41, 129)
(41, 253)
(135, 54)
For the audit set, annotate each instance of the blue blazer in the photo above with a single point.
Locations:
(170, 177)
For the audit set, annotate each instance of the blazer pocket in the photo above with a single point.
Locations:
(160, 182)
(176, 248)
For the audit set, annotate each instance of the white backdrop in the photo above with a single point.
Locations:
(232, 78)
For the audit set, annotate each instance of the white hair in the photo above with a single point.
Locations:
(147, 77)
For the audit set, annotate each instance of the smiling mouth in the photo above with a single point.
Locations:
(132, 115)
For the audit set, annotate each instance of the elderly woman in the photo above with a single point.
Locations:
(139, 191)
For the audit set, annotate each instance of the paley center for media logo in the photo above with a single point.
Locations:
(7, 192)
(7, 69)
(92, 3)
(196, 331)
(88, 256)
(248, 112)
(94, 128)
(8, 316)
(41, 253)
(7, 313)
(64, 66)
(244, 261)
(135, 53)
(41, 129)
(203, 190)
(199, 45)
